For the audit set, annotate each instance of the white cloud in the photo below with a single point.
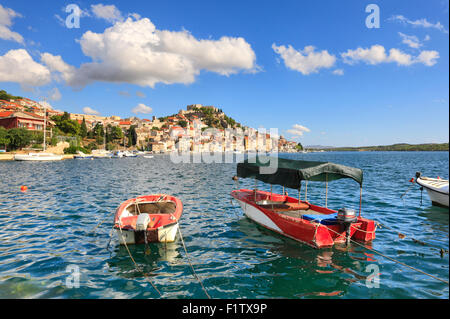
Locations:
(419, 23)
(305, 61)
(410, 40)
(297, 130)
(109, 13)
(428, 57)
(60, 69)
(136, 52)
(6, 17)
(88, 110)
(142, 108)
(19, 67)
(55, 95)
(338, 72)
(376, 54)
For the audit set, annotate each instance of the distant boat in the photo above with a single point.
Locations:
(129, 154)
(148, 156)
(37, 157)
(81, 155)
(150, 218)
(436, 188)
(117, 154)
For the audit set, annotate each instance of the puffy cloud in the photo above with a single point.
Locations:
(108, 12)
(428, 57)
(418, 23)
(377, 54)
(142, 108)
(56, 64)
(88, 110)
(338, 72)
(19, 67)
(305, 61)
(6, 17)
(297, 130)
(135, 52)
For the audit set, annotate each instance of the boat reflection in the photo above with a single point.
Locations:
(327, 272)
(146, 258)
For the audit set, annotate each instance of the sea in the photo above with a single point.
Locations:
(57, 241)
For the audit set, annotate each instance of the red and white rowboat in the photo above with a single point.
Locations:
(150, 218)
(313, 225)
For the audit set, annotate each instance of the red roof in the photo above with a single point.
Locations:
(125, 123)
(6, 114)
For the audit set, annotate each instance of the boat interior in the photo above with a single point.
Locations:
(296, 210)
(160, 207)
(289, 206)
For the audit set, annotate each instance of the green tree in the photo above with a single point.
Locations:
(4, 137)
(182, 123)
(66, 125)
(83, 129)
(132, 136)
(19, 138)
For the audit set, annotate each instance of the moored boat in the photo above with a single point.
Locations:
(436, 188)
(81, 155)
(150, 218)
(37, 157)
(314, 225)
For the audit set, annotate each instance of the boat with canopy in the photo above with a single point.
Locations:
(314, 225)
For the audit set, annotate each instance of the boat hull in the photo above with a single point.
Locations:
(314, 234)
(436, 189)
(165, 234)
(163, 224)
(37, 157)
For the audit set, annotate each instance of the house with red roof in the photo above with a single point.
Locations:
(30, 121)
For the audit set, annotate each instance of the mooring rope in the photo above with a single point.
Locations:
(390, 258)
(190, 264)
(135, 264)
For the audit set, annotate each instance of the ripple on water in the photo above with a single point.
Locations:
(51, 227)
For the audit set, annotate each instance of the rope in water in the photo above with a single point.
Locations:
(390, 258)
(134, 262)
(190, 264)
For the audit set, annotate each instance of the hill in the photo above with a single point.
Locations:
(402, 147)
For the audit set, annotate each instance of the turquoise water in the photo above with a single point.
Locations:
(50, 230)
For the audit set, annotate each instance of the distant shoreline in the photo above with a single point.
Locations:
(433, 147)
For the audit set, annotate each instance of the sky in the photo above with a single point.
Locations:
(332, 73)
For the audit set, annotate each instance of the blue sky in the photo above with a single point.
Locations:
(312, 69)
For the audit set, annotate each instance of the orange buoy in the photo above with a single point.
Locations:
(23, 188)
(411, 180)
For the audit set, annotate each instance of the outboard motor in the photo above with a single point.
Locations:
(346, 217)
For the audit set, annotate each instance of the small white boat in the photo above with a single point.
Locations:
(81, 155)
(38, 157)
(148, 156)
(436, 188)
(129, 154)
(117, 154)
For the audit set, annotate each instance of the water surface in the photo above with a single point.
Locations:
(50, 230)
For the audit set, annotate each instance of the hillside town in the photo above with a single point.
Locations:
(197, 128)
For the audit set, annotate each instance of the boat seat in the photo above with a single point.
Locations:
(286, 207)
(324, 219)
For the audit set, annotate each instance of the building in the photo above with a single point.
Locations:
(26, 120)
